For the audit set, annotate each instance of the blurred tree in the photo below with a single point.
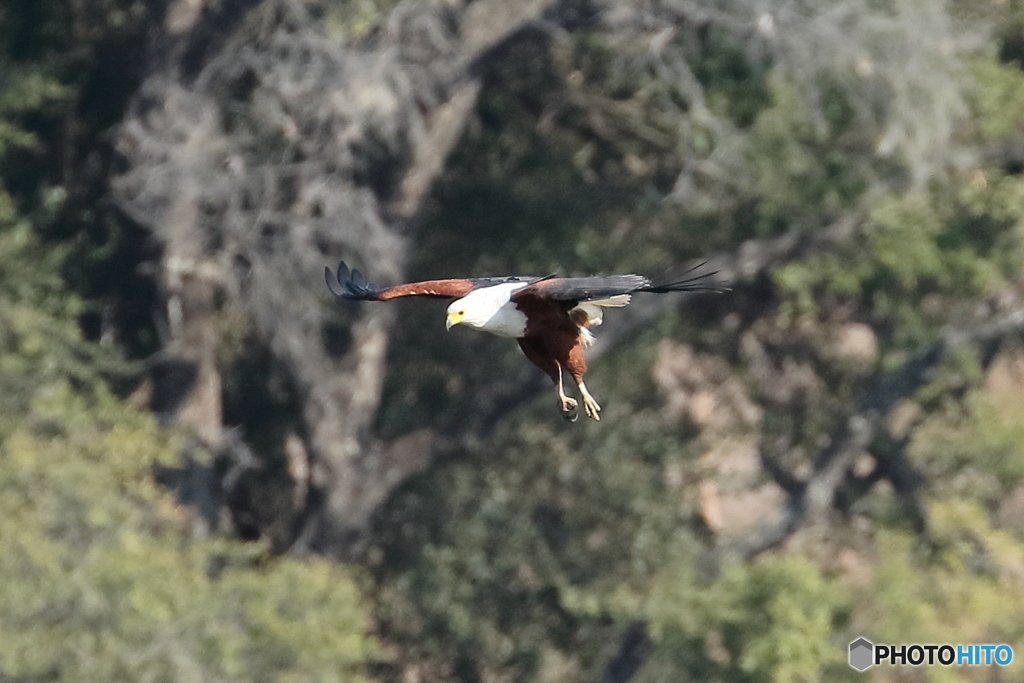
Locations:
(103, 582)
(249, 192)
(829, 452)
(104, 575)
(260, 147)
(515, 556)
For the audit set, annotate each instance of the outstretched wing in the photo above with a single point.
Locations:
(604, 287)
(352, 284)
(581, 288)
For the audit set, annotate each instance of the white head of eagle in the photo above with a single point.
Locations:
(489, 309)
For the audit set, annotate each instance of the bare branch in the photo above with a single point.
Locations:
(810, 502)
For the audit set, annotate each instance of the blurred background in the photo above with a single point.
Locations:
(212, 471)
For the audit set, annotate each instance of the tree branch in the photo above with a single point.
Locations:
(855, 434)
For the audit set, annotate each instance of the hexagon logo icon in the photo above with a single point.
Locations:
(862, 653)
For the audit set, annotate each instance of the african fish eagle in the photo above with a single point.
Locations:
(549, 316)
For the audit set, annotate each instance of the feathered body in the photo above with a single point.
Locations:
(550, 317)
(491, 309)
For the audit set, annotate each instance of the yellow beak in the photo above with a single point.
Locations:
(454, 318)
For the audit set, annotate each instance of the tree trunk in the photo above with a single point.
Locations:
(260, 149)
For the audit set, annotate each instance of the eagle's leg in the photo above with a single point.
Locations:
(590, 406)
(577, 366)
(536, 350)
(566, 404)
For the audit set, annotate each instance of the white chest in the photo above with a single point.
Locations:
(507, 321)
(490, 309)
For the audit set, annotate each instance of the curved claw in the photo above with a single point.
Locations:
(591, 407)
(568, 407)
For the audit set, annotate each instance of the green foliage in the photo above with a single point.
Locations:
(789, 178)
(774, 619)
(960, 592)
(998, 97)
(521, 559)
(973, 451)
(39, 338)
(26, 92)
(533, 553)
(527, 558)
(66, 71)
(959, 241)
(736, 85)
(481, 554)
(102, 581)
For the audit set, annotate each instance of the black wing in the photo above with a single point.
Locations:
(603, 287)
(687, 281)
(581, 288)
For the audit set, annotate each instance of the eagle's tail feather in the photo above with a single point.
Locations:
(586, 336)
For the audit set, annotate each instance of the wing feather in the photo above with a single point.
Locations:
(610, 287)
(352, 284)
(690, 280)
(581, 288)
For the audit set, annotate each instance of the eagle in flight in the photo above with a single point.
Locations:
(549, 316)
